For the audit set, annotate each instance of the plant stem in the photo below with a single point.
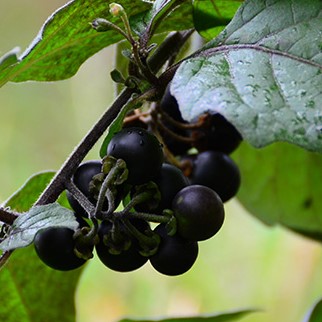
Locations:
(7, 216)
(57, 185)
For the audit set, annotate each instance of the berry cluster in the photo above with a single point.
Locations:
(168, 207)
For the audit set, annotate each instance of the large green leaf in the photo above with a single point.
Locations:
(28, 287)
(281, 184)
(263, 73)
(224, 317)
(67, 39)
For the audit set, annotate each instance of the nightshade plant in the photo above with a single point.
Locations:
(256, 77)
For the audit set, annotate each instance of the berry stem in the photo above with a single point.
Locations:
(115, 172)
(81, 198)
(149, 217)
(144, 240)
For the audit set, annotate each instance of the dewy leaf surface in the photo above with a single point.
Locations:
(27, 285)
(263, 73)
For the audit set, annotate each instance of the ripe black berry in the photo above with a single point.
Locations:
(125, 260)
(199, 212)
(82, 178)
(141, 151)
(219, 135)
(217, 171)
(175, 254)
(55, 247)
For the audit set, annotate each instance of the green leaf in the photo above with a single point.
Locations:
(116, 125)
(281, 184)
(315, 314)
(225, 317)
(23, 199)
(32, 292)
(27, 285)
(67, 39)
(211, 16)
(165, 15)
(25, 227)
(265, 76)
(9, 59)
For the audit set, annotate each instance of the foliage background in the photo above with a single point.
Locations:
(246, 265)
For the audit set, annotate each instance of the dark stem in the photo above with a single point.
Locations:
(7, 216)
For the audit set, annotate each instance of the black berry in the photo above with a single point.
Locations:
(141, 151)
(55, 247)
(218, 135)
(82, 178)
(175, 254)
(123, 260)
(199, 212)
(217, 171)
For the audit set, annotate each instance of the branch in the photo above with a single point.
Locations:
(7, 216)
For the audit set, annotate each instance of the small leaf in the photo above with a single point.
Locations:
(26, 226)
(165, 15)
(225, 317)
(9, 59)
(116, 126)
(211, 16)
(315, 314)
(264, 75)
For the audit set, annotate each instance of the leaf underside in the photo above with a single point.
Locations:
(264, 74)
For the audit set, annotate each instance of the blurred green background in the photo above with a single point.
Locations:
(247, 265)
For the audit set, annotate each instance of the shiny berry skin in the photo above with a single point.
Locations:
(175, 255)
(55, 247)
(82, 178)
(217, 171)
(199, 212)
(127, 260)
(141, 151)
(219, 135)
